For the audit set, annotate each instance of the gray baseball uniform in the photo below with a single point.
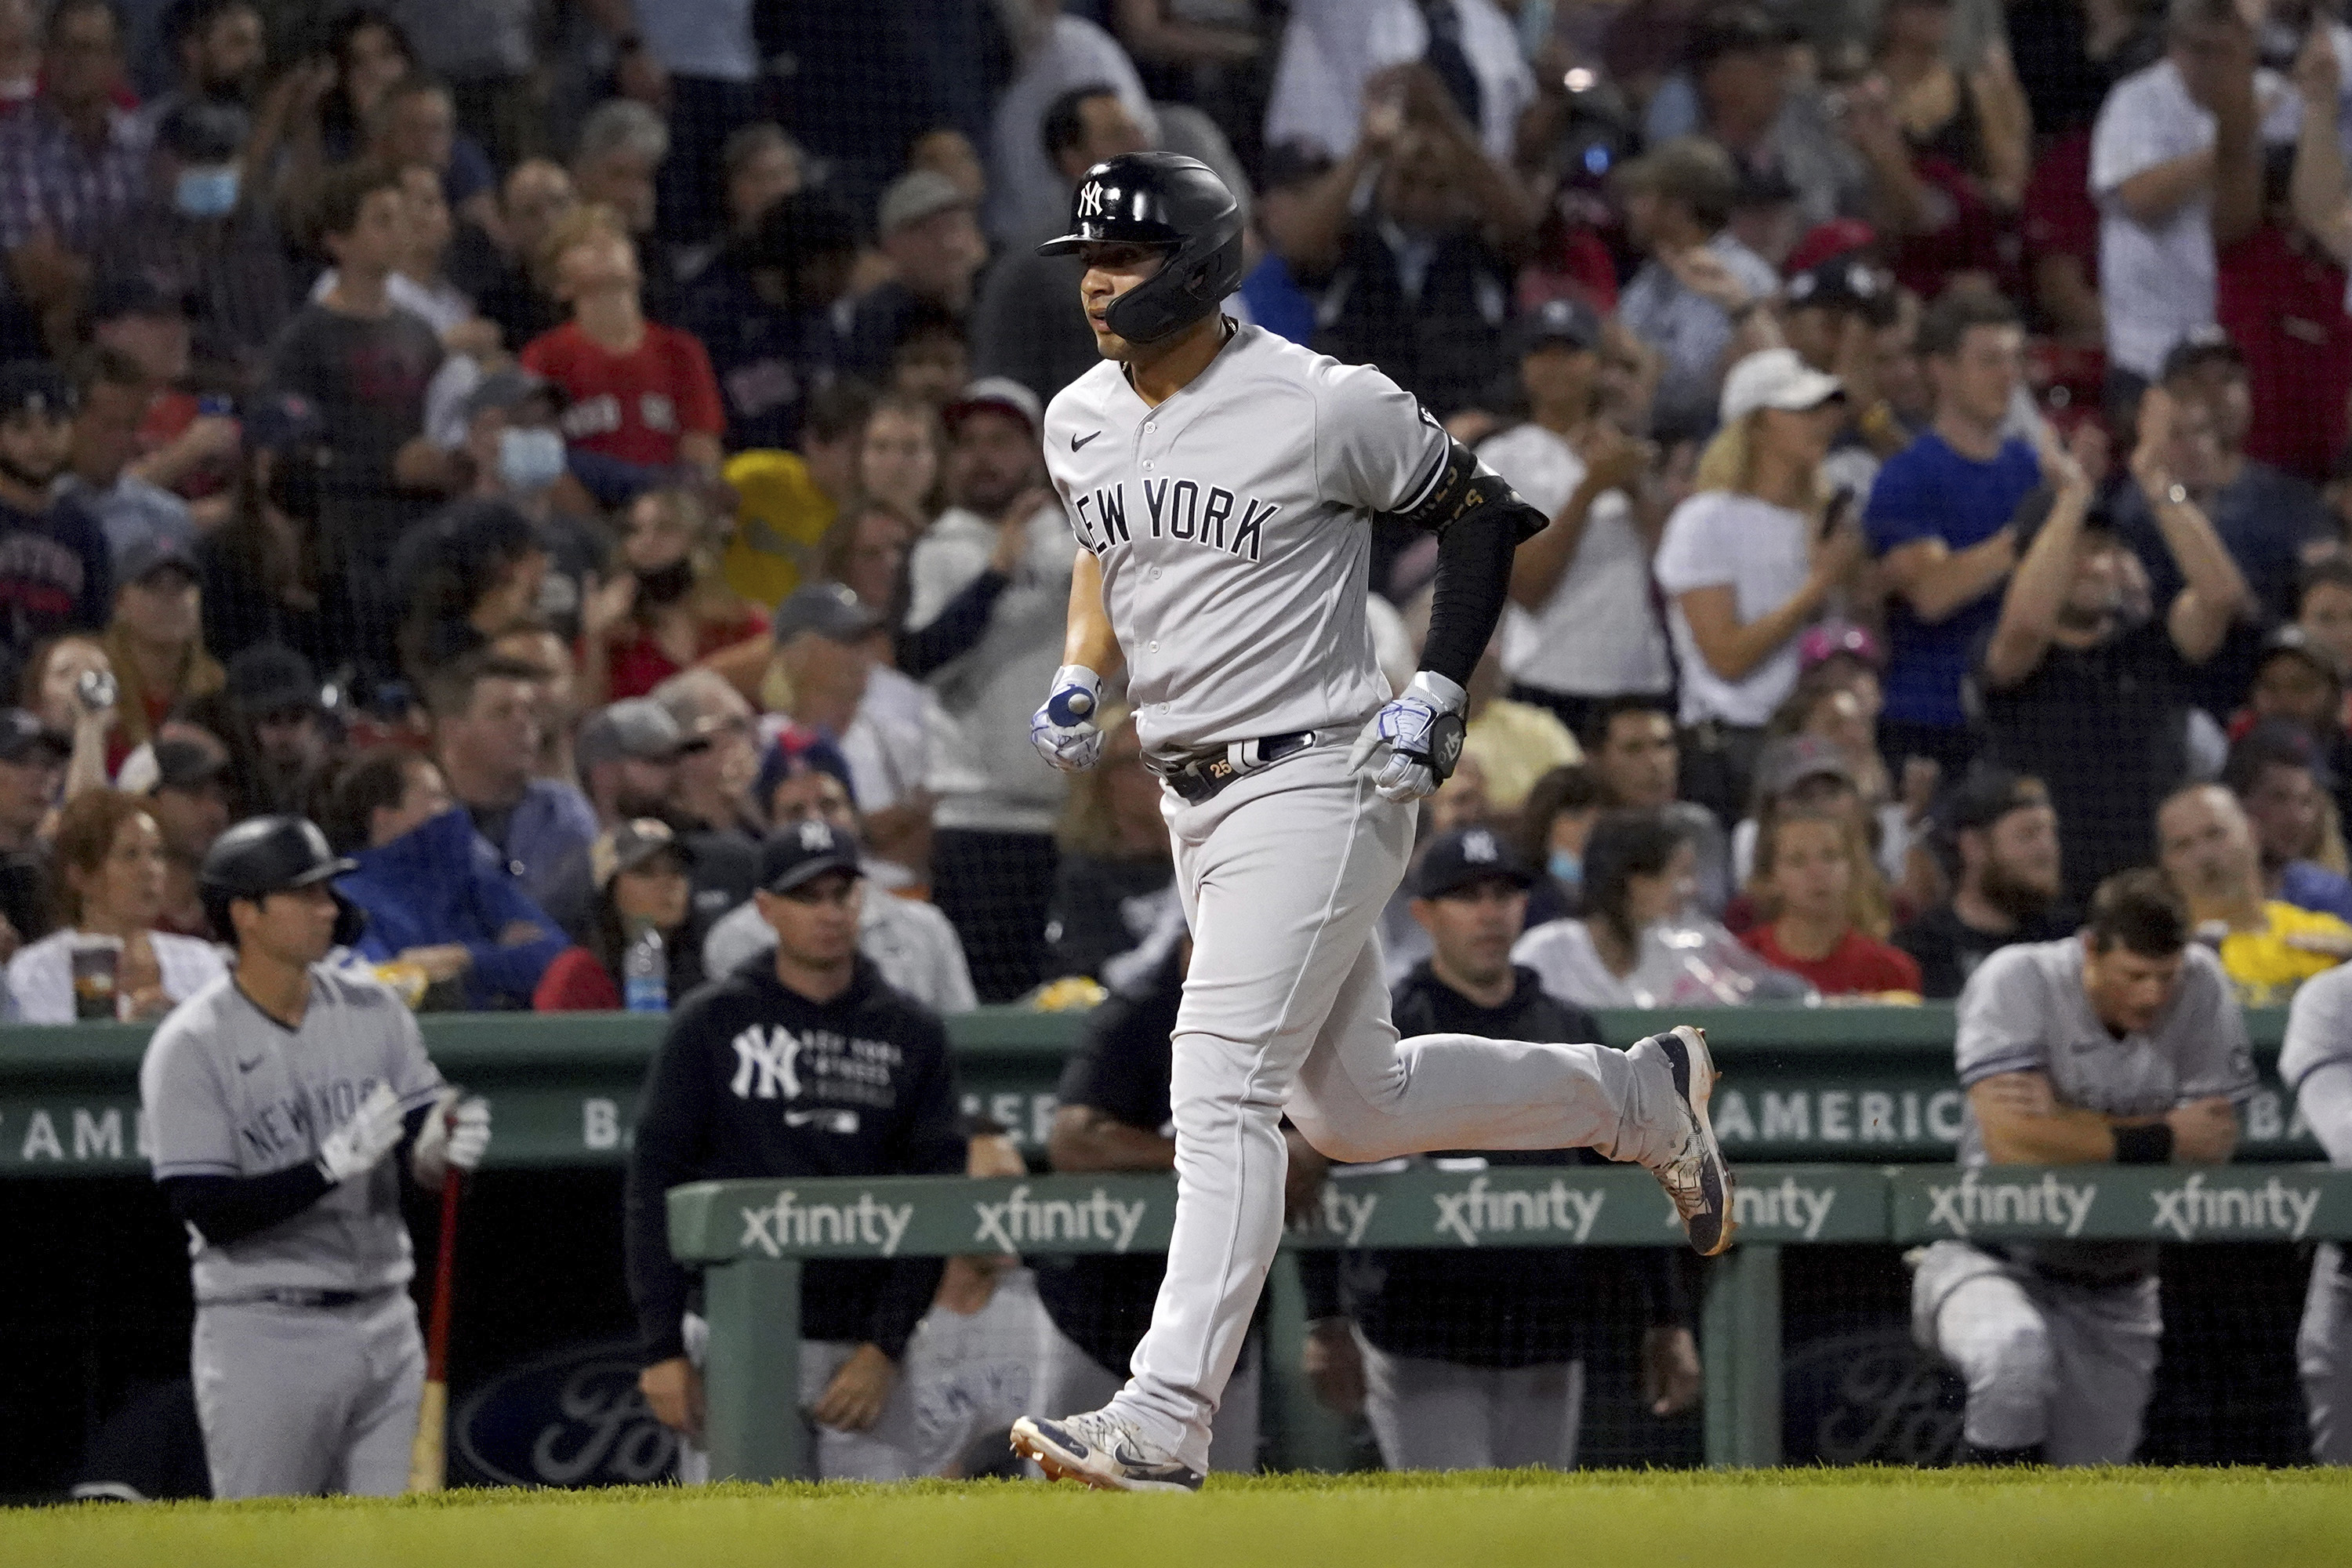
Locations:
(2317, 1064)
(306, 1356)
(1229, 525)
(2058, 1341)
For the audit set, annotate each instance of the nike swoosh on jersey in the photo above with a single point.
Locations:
(249, 1066)
(1079, 441)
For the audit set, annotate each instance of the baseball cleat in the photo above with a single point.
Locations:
(1698, 1178)
(1099, 1450)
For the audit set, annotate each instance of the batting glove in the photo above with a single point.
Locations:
(1063, 730)
(354, 1148)
(455, 1134)
(1422, 730)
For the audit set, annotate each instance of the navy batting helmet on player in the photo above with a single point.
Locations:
(265, 855)
(1171, 203)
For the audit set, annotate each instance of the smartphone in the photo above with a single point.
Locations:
(1835, 515)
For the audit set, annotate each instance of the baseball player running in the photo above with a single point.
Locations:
(1221, 480)
(2317, 1064)
(2124, 1044)
(284, 1101)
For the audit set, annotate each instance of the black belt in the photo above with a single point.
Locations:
(1199, 778)
(317, 1297)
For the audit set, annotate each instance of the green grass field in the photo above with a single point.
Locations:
(1774, 1518)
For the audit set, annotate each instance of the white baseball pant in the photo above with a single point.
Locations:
(2047, 1361)
(2322, 1355)
(300, 1400)
(1283, 877)
(837, 1456)
(1441, 1416)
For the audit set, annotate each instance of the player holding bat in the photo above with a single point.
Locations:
(285, 1104)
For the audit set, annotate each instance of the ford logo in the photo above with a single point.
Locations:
(571, 1419)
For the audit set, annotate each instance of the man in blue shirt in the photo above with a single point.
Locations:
(2277, 775)
(1938, 521)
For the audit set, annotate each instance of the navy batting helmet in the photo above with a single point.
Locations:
(265, 855)
(1169, 203)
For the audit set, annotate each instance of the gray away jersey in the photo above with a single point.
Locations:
(1230, 524)
(229, 1091)
(2024, 1011)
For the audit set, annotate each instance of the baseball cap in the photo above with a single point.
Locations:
(202, 131)
(153, 553)
(510, 387)
(1568, 321)
(2292, 638)
(2274, 742)
(181, 763)
(35, 386)
(803, 851)
(828, 609)
(2204, 345)
(1833, 639)
(1776, 378)
(270, 678)
(1838, 238)
(636, 727)
(999, 393)
(1842, 283)
(22, 734)
(121, 295)
(1790, 761)
(1463, 857)
(630, 846)
(1985, 797)
(915, 196)
(1734, 30)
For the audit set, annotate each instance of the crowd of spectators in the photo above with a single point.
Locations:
(561, 447)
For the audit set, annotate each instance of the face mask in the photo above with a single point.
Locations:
(529, 461)
(1567, 866)
(668, 585)
(207, 193)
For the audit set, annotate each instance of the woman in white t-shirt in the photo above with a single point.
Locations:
(1580, 627)
(1745, 566)
(109, 865)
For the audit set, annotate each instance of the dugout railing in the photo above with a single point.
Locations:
(750, 1238)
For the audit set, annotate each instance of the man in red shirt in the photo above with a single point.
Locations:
(637, 392)
(2281, 297)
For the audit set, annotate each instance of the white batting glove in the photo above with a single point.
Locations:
(1421, 731)
(455, 1134)
(1063, 730)
(354, 1148)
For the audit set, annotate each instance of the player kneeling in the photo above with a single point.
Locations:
(2057, 1340)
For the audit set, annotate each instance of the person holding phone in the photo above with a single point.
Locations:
(1749, 561)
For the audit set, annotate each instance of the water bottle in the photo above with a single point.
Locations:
(645, 973)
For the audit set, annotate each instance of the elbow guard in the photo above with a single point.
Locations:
(1460, 489)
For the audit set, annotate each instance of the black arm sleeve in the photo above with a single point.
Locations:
(672, 1120)
(956, 630)
(1473, 581)
(227, 1209)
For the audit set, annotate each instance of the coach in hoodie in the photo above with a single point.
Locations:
(803, 1062)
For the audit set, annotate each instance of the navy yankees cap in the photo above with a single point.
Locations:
(1464, 857)
(1571, 322)
(35, 386)
(801, 852)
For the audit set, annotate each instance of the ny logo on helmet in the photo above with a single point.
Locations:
(816, 835)
(1090, 202)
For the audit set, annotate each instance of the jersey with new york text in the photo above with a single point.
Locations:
(228, 1090)
(1230, 526)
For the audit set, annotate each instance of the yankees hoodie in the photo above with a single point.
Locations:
(754, 1080)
